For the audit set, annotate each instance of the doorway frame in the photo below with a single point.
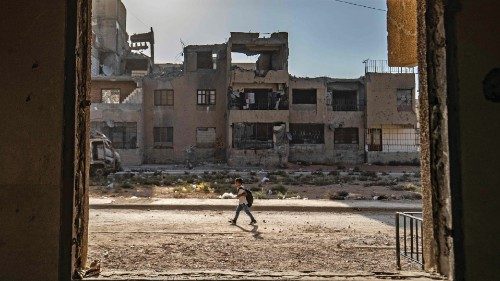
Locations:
(440, 154)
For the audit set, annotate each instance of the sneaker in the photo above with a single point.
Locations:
(233, 222)
(253, 222)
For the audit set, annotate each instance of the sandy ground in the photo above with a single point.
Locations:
(159, 241)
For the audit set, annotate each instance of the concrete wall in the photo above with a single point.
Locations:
(126, 88)
(31, 145)
(185, 116)
(394, 157)
(478, 123)
(381, 100)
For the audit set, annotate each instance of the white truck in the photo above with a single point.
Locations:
(103, 157)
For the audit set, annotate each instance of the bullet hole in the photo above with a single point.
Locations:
(17, 211)
(28, 98)
(35, 65)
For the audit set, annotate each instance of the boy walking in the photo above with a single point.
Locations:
(242, 202)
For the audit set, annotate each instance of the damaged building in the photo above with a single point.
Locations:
(116, 93)
(214, 108)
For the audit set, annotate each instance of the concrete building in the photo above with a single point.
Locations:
(212, 108)
(116, 88)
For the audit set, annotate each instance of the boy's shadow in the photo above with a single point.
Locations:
(255, 230)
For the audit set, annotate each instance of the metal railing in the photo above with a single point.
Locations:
(382, 66)
(411, 241)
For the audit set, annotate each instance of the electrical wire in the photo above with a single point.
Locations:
(359, 5)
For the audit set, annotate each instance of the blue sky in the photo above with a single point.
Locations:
(325, 37)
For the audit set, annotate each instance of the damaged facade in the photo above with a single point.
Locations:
(212, 108)
(116, 90)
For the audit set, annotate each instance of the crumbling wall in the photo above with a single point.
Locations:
(126, 88)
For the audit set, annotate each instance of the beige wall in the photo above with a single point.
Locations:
(185, 116)
(381, 99)
(31, 144)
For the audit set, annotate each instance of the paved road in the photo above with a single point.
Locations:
(152, 243)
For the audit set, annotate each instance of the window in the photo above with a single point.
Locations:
(405, 99)
(344, 100)
(304, 96)
(205, 60)
(374, 140)
(164, 97)
(346, 136)
(123, 135)
(110, 96)
(206, 97)
(163, 136)
(307, 133)
(253, 135)
(205, 137)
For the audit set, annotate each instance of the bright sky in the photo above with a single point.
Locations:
(326, 37)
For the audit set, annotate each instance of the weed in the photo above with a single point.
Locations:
(337, 195)
(127, 184)
(259, 195)
(369, 174)
(279, 189)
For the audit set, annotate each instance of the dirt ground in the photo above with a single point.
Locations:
(157, 241)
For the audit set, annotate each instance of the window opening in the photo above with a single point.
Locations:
(304, 96)
(206, 97)
(253, 135)
(163, 136)
(405, 99)
(110, 96)
(307, 133)
(164, 97)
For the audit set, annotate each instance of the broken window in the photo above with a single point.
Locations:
(164, 97)
(405, 99)
(110, 96)
(374, 139)
(304, 96)
(205, 137)
(123, 135)
(163, 136)
(205, 60)
(206, 97)
(346, 136)
(253, 135)
(344, 100)
(307, 133)
(258, 99)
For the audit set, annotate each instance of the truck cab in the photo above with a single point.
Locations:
(104, 159)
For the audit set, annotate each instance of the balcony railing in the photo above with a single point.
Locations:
(382, 66)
